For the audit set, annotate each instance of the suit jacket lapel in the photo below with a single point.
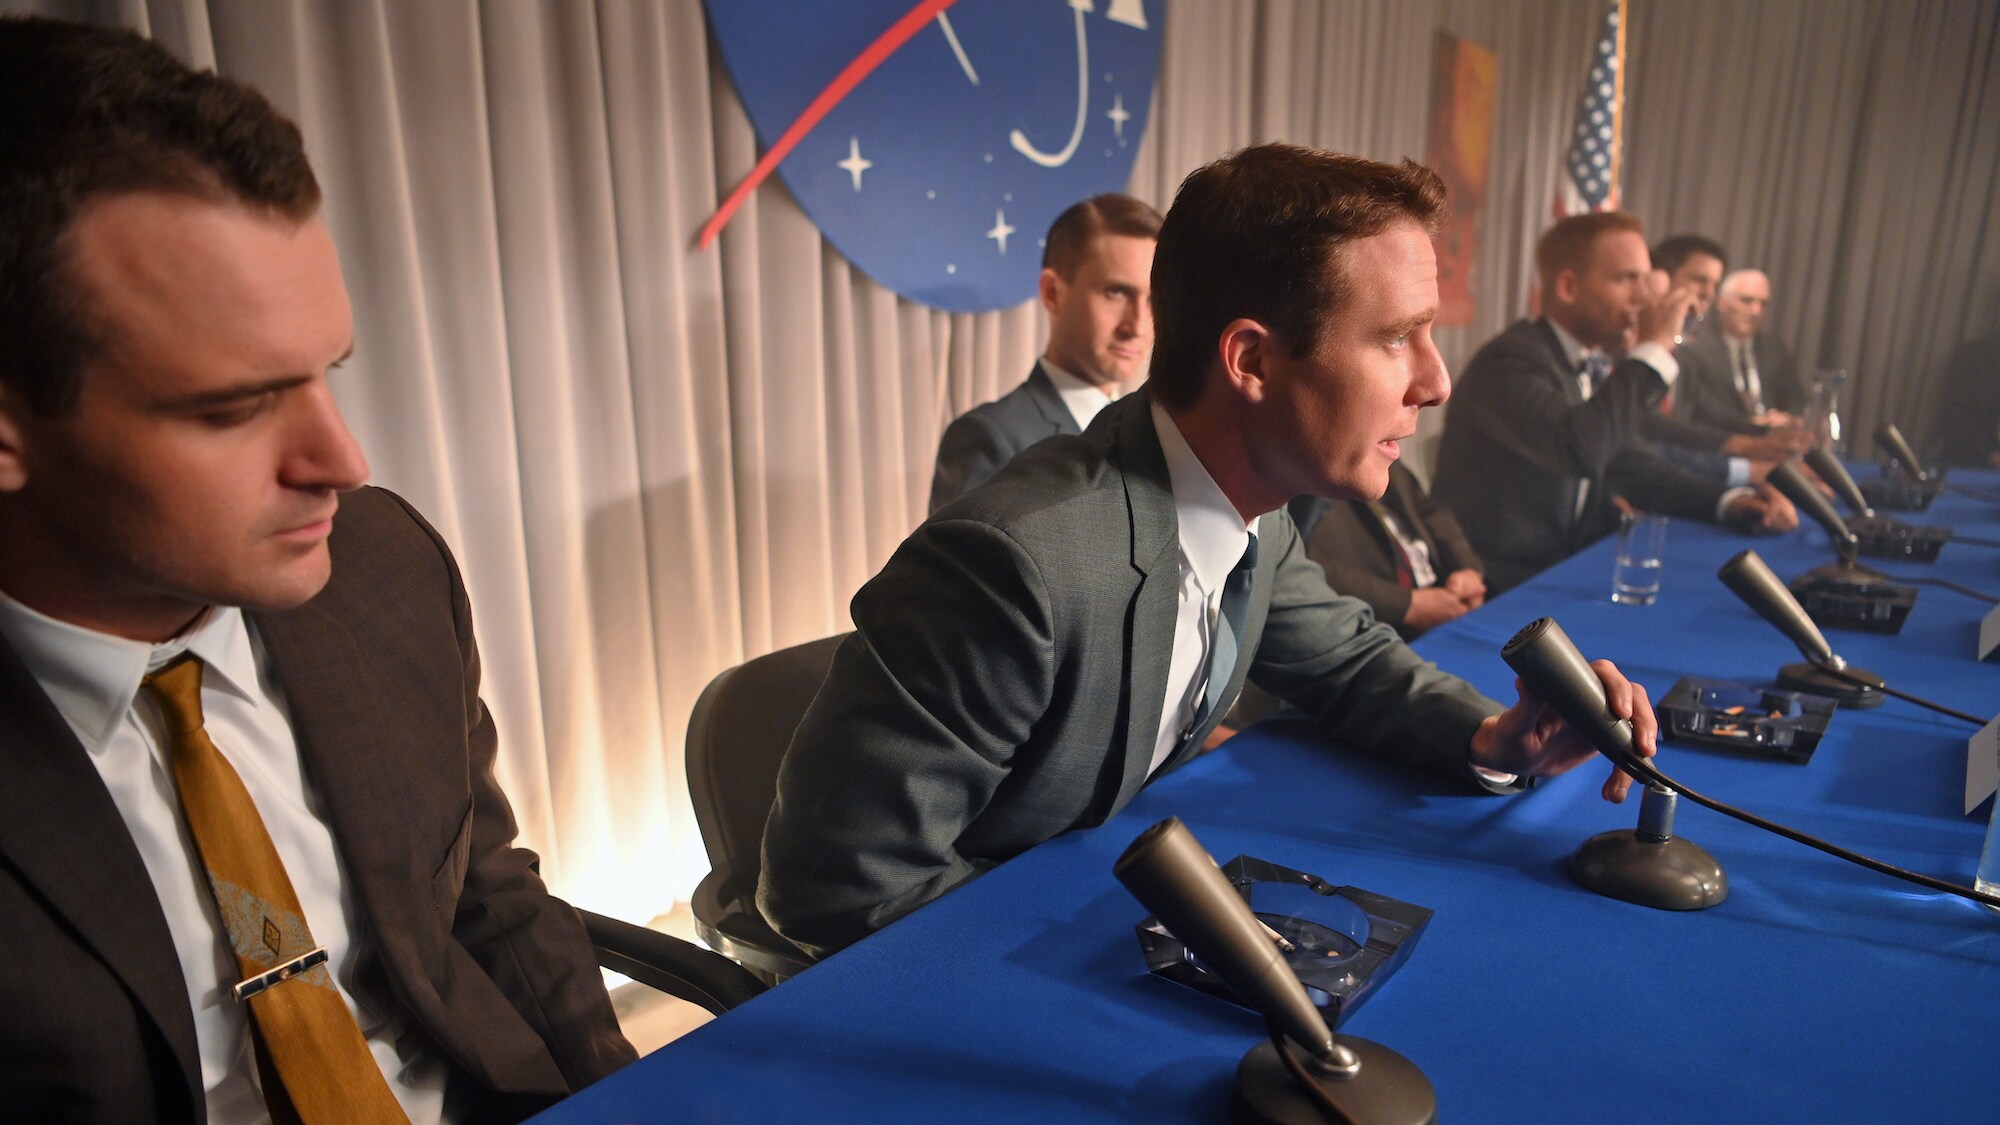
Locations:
(352, 751)
(1155, 540)
(1048, 401)
(61, 830)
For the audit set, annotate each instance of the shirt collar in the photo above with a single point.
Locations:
(92, 677)
(1213, 533)
(1573, 349)
(1083, 399)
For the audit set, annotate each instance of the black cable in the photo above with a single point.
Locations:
(1648, 772)
(1946, 583)
(1859, 681)
(1974, 493)
(1308, 1085)
(1975, 540)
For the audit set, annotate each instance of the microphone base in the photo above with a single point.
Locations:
(1814, 680)
(1847, 596)
(1671, 874)
(1389, 1090)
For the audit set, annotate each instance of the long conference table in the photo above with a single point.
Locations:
(1818, 991)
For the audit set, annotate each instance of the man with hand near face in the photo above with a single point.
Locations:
(1545, 424)
(1038, 651)
(254, 862)
(1096, 287)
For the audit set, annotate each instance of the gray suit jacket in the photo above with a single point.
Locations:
(986, 437)
(1519, 440)
(1008, 669)
(382, 680)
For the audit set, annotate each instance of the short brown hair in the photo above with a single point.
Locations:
(1260, 233)
(1568, 244)
(1070, 236)
(93, 112)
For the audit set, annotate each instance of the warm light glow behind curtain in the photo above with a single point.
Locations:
(655, 462)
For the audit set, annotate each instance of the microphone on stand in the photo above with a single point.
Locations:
(1890, 440)
(1648, 865)
(1749, 577)
(1844, 593)
(1879, 536)
(1344, 1078)
(1550, 665)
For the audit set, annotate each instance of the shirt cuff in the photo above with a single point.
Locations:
(1659, 359)
(1729, 497)
(1739, 472)
(1495, 776)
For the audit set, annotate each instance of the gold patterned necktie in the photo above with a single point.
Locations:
(310, 1051)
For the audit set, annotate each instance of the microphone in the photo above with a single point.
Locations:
(1351, 1079)
(1844, 593)
(1834, 473)
(1890, 440)
(1825, 673)
(1786, 478)
(1648, 865)
(1548, 662)
(1750, 578)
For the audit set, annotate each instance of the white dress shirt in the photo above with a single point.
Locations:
(1083, 399)
(93, 680)
(1213, 536)
(1743, 370)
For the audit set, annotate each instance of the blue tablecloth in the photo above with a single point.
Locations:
(1817, 992)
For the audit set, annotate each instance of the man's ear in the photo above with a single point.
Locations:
(1566, 286)
(1246, 348)
(13, 454)
(1050, 289)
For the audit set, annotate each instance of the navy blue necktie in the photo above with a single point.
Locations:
(1228, 637)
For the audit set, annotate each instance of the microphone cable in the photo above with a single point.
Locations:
(1944, 583)
(1859, 681)
(1649, 773)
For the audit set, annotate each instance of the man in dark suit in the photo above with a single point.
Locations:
(1033, 655)
(1749, 378)
(1404, 554)
(1542, 433)
(239, 708)
(1096, 287)
(1689, 430)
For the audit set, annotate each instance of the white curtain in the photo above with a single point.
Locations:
(654, 462)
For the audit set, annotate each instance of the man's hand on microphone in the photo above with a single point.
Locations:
(1529, 738)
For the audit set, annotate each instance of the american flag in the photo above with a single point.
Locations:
(1590, 168)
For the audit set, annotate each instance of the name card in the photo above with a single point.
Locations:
(1982, 765)
(1989, 635)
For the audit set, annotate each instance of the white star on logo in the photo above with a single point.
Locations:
(1000, 230)
(854, 165)
(1118, 115)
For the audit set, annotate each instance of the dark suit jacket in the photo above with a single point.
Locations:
(1714, 400)
(986, 437)
(1519, 439)
(382, 679)
(1007, 672)
(1359, 557)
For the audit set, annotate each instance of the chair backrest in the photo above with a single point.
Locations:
(737, 735)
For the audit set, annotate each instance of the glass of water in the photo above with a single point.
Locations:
(1635, 579)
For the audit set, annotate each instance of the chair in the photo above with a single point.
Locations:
(737, 735)
(673, 966)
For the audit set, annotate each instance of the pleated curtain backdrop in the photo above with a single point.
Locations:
(655, 462)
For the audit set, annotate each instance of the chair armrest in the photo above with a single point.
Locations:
(673, 966)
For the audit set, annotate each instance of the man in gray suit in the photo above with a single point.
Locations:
(1033, 655)
(1097, 289)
